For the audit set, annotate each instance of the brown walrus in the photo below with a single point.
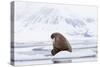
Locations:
(60, 43)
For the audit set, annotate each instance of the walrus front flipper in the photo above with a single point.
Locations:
(55, 51)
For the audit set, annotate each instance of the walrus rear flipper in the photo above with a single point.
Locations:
(55, 51)
(69, 48)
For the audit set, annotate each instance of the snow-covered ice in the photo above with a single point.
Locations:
(41, 54)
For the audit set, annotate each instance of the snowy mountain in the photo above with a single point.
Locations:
(40, 24)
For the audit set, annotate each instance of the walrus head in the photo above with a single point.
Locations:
(53, 36)
(60, 43)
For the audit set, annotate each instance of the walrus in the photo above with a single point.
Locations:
(60, 43)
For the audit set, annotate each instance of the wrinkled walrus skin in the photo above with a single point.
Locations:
(60, 43)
